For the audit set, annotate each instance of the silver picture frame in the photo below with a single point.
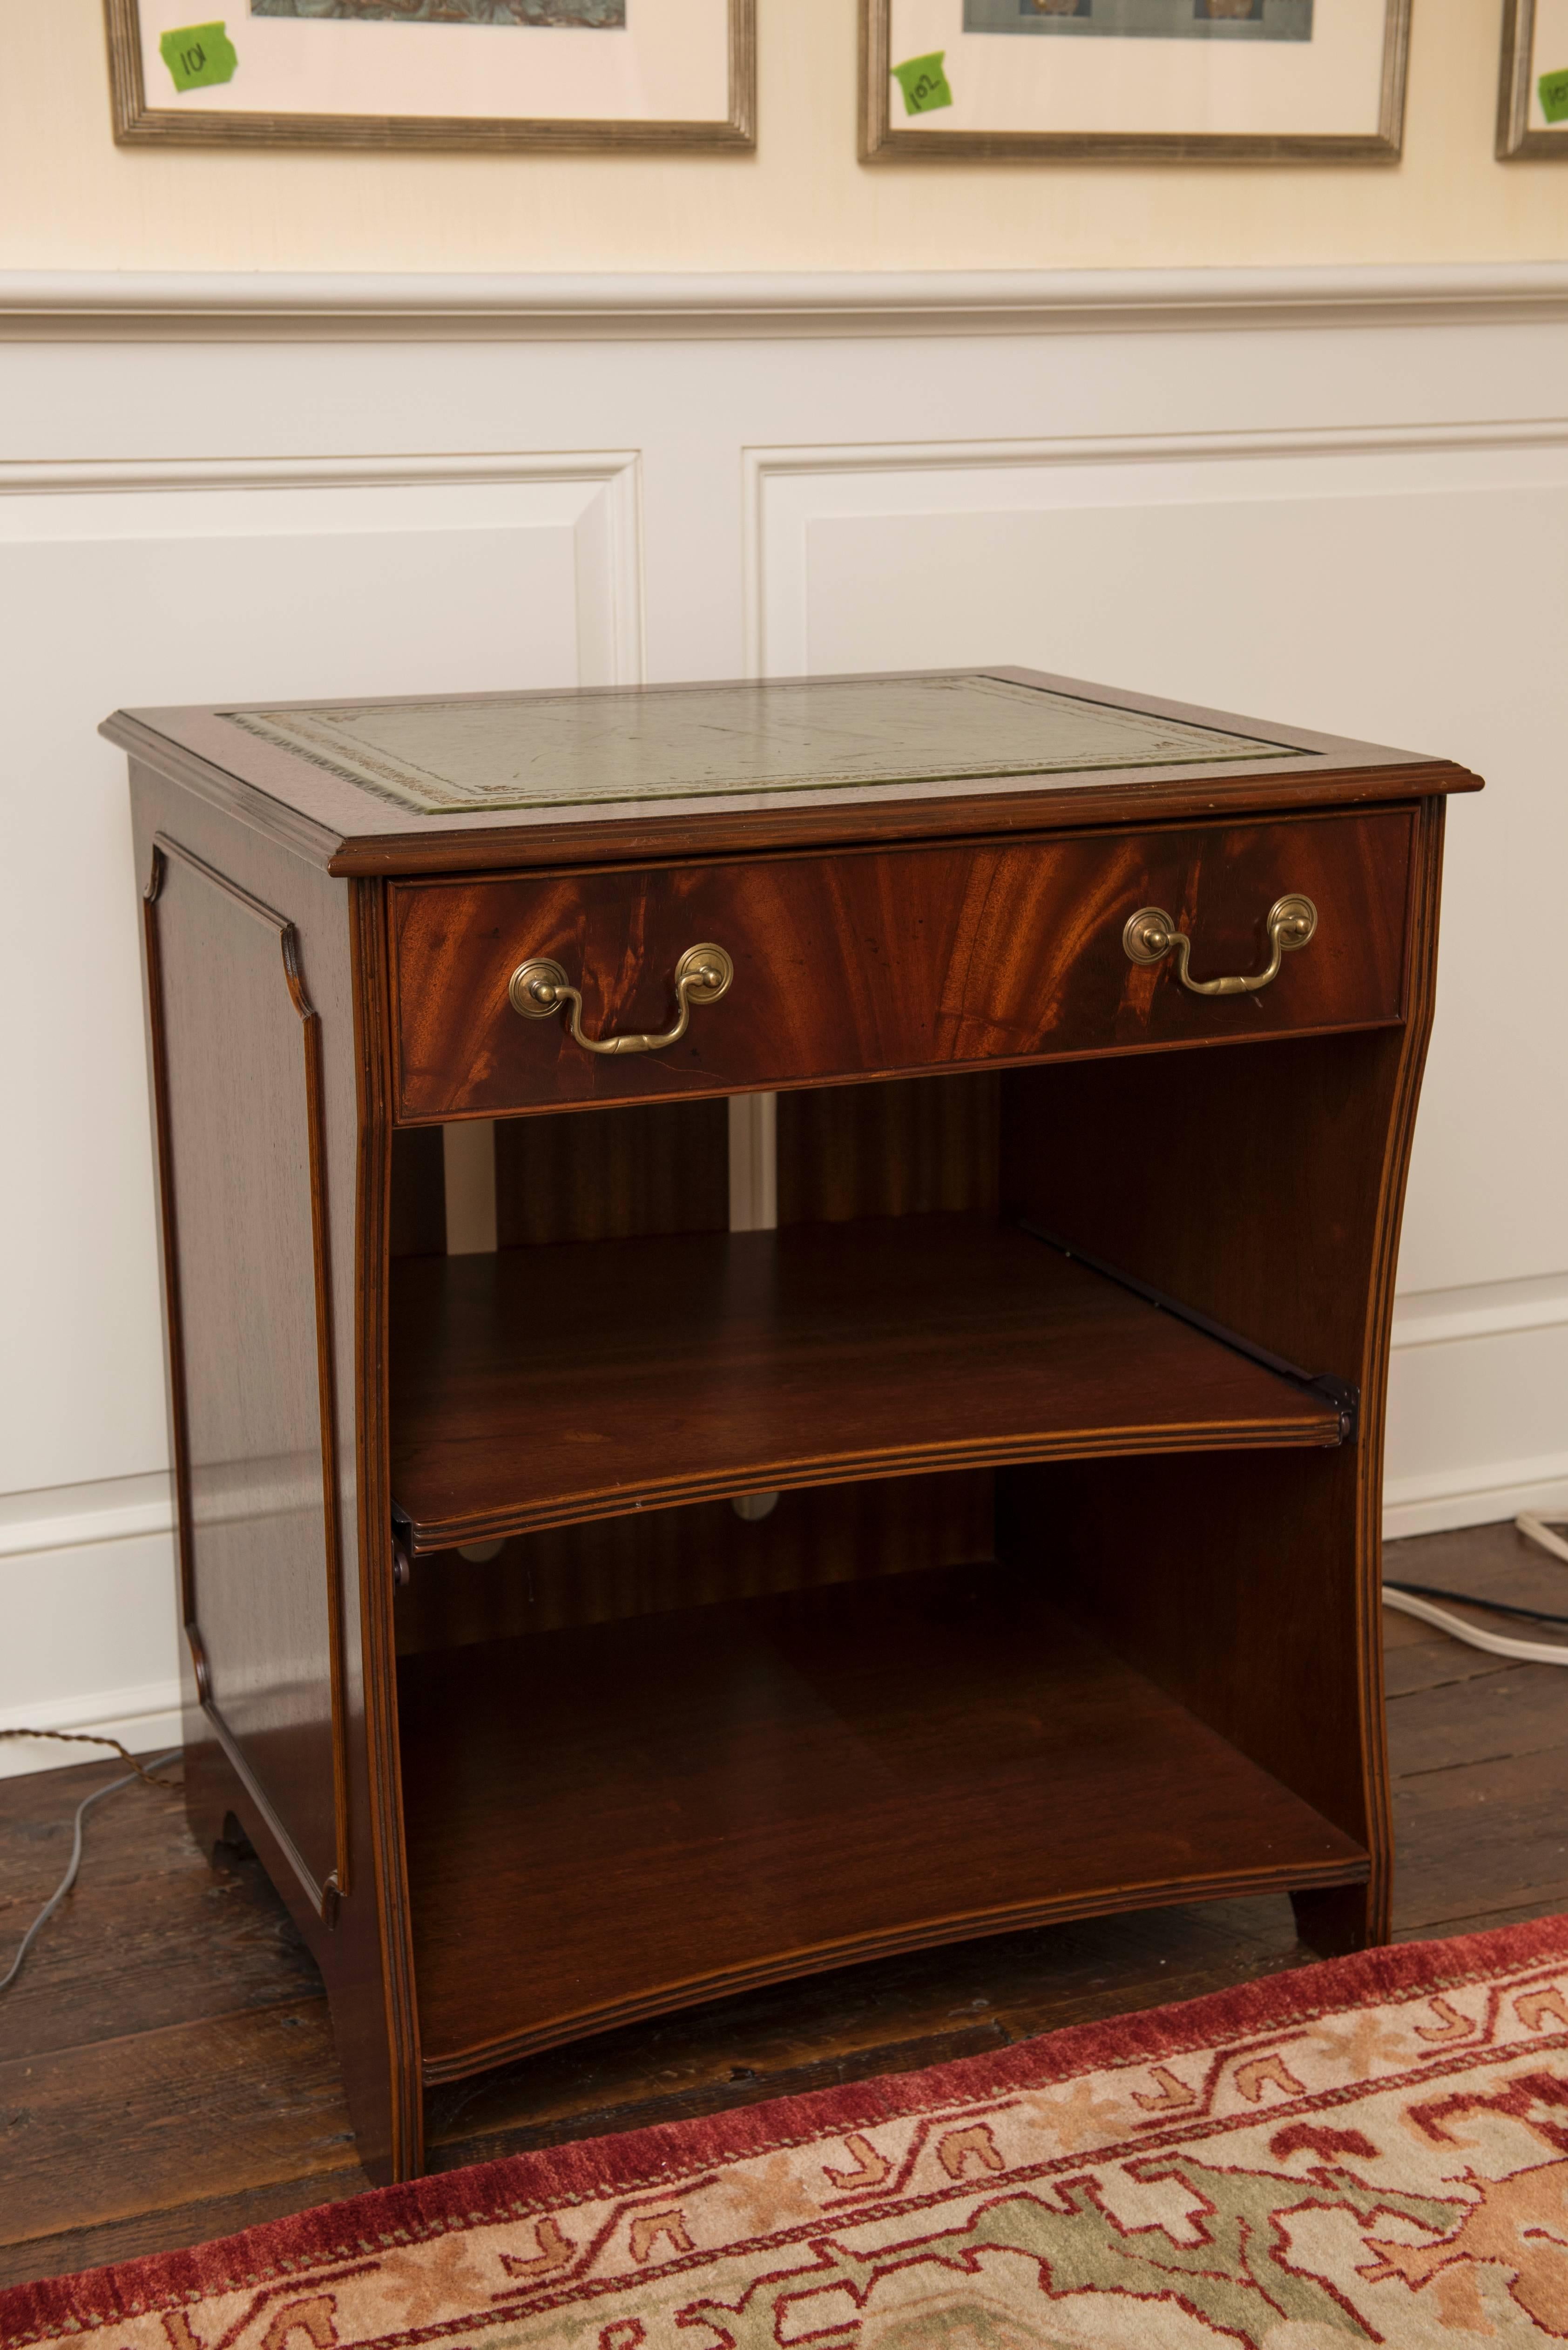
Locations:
(1515, 137)
(885, 140)
(140, 123)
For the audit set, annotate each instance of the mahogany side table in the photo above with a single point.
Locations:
(977, 1524)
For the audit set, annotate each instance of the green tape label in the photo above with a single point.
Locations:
(923, 83)
(198, 56)
(1553, 88)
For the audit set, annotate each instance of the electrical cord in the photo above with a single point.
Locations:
(90, 1738)
(1474, 1600)
(138, 1770)
(1496, 1644)
(1415, 1599)
(1546, 1536)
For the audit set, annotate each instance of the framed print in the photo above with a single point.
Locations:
(1134, 80)
(434, 73)
(1533, 95)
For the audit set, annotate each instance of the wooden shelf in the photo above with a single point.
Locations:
(545, 1385)
(610, 1822)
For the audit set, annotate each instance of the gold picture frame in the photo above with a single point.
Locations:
(139, 122)
(885, 140)
(1517, 136)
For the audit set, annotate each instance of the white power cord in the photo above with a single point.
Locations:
(1496, 1644)
(1547, 1536)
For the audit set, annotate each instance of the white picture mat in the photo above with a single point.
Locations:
(1548, 54)
(670, 64)
(1329, 86)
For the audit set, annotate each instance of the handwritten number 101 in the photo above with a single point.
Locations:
(192, 60)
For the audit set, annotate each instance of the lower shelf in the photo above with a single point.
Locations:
(616, 1821)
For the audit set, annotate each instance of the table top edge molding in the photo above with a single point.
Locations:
(266, 786)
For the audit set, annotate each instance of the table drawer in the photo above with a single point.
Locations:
(888, 962)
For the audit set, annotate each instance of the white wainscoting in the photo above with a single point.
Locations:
(1345, 504)
(1225, 557)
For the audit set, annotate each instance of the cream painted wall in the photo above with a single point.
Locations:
(70, 200)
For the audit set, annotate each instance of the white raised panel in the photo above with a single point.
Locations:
(1405, 586)
(1411, 590)
(140, 585)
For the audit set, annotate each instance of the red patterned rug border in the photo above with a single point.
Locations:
(556, 2177)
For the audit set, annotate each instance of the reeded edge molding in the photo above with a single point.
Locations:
(265, 306)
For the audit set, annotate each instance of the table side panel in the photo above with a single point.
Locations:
(240, 1113)
(249, 1099)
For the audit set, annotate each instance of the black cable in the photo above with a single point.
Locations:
(1471, 1599)
(137, 1772)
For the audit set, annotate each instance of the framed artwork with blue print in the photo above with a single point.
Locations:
(1134, 80)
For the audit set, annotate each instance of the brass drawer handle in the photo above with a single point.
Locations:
(1149, 934)
(540, 987)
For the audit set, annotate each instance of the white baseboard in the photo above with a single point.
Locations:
(1435, 1506)
(92, 1640)
(1478, 1388)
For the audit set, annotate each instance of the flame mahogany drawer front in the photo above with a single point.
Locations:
(889, 961)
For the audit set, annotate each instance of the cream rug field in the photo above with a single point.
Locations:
(1372, 2150)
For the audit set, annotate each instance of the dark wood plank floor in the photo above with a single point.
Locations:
(166, 2068)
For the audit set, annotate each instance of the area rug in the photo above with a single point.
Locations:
(1371, 2150)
